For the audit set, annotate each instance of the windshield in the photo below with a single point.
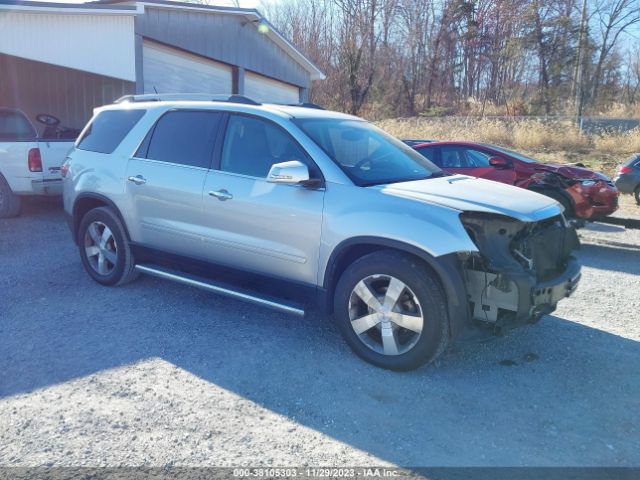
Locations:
(368, 155)
(517, 155)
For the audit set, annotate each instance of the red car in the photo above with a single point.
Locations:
(583, 193)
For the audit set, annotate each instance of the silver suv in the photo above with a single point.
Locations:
(293, 206)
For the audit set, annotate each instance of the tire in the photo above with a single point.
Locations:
(10, 203)
(105, 255)
(569, 211)
(636, 194)
(421, 296)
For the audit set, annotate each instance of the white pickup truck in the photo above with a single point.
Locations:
(29, 163)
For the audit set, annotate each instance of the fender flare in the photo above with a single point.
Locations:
(75, 218)
(446, 267)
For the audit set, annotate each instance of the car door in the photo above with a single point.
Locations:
(254, 224)
(478, 159)
(164, 181)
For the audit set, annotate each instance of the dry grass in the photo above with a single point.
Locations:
(621, 143)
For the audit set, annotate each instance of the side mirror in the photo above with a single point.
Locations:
(289, 173)
(499, 163)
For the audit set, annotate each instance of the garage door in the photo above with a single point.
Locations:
(170, 70)
(263, 89)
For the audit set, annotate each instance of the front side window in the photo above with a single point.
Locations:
(108, 129)
(453, 157)
(477, 158)
(368, 155)
(185, 138)
(14, 126)
(252, 145)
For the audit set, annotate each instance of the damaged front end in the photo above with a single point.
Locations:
(522, 269)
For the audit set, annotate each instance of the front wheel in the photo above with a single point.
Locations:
(636, 194)
(103, 246)
(569, 211)
(391, 311)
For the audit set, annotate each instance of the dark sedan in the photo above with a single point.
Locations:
(628, 177)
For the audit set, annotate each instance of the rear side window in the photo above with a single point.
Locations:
(15, 126)
(185, 138)
(108, 129)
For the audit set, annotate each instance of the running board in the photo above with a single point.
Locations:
(205, 284)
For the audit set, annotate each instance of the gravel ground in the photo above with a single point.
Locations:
(160, 374)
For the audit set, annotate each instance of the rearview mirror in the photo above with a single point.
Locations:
(290, 173)
(499, 162)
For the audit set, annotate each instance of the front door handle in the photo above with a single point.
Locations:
(221, 195)
(138, 180)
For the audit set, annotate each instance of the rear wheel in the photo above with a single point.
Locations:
(10, 203)
(103, 246)
(391, 311)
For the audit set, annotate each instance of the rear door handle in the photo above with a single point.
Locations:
(138, 180)
(221, 195)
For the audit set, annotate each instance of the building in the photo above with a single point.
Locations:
(66, 59)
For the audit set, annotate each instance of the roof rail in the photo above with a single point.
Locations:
(200, 97)
(306, 105)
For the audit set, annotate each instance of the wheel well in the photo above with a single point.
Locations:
(347, 255)
(557, 192)
(85, 204)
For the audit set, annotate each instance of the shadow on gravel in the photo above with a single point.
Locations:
(515, 400)
(627, 260)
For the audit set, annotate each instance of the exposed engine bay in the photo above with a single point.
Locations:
(522, 269)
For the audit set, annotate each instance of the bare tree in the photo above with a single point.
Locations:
(614, 17)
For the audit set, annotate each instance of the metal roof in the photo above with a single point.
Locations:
(91, 7)
(252, 13)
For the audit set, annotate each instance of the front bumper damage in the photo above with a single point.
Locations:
(522, 270)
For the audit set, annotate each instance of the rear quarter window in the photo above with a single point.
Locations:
(15, 126)
(108, 129)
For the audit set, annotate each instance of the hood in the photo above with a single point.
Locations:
(470, 194)
(571, 171)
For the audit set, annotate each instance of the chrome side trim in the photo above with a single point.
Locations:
(219, 289)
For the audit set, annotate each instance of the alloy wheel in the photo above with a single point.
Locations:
(101, 248)
(385, 314)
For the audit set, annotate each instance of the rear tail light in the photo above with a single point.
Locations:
(64, 169)
(35, 160)
(624, 170)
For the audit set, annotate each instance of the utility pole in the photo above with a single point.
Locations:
(578, 74)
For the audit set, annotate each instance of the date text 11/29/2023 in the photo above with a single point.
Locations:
(320, 472)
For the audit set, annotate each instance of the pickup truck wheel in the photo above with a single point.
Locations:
(104, 250)
(10, 203)
(391, 311)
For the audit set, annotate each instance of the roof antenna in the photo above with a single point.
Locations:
(155, 89)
